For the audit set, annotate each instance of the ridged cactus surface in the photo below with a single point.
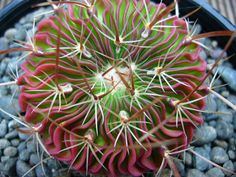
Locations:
(110, 85)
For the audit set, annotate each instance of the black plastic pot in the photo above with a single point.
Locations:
(210, 19)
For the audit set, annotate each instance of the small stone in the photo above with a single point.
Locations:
(10, 151)
(225, 93)
(187, 157)
(10, 34)
(232, 155)
(229, 75)
(21, 34)
(221, 143)
(9, 105)
(211, 104)
(15, 142)
(34, 159)
(52, 163)
(218, 155)
(3, 128)
(23, 136)
(22, 168)
(224, 129)
(198, 162)
(3, 46)
(24, 155)
(228, 116)
(64, 172)
(11, 135)
(31, 146)
(229, 166)
(215, 172)
(195, 173)
(21, 146)
(204, 135)
(10, 167)
(180, 166)
(42, 171)
(203, 55)
(5, 158)
(12, 124)
(4, 143)
(217, 53)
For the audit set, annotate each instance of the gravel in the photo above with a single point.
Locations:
(215, 172)
(200, 163)
(229, 75)
(224, 129)
(195, 173)
(4, 143)
(10, 151)
(204, 135)
(214, 140)
(3, 128)
(219, 155)
(22, 168)
(3, 46)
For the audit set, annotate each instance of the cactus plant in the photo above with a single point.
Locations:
(112, 86)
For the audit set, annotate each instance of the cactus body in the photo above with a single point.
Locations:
(104, 82)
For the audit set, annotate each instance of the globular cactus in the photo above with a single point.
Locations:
(111, 86)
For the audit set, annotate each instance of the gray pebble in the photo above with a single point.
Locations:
(187, 158)
(228, 117)
(211, 104)
(203, 55)
(4, 143)
(221, 143)
(42, 171)
(10, 151)
(34, 159)
(229, 166)
(5, 158)
(52, 163)
(3, 46)
(3, 128)
(229, 75)
(215, 172)
(10, 34)
(22, 168)
(31, 146)
(15, 142)
(11, 107)
(217, 53)
(24, 155)
(204, 135)
(21, 146)
(23, 136)
(11, 135)
(21, 34)
(231, 154)
(195, 173)
(224, 129)
(198, 162)
(218, 155)
(10, 167)
(12, 124)
(180, 166)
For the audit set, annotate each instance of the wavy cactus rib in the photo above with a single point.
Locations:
(103, 75)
